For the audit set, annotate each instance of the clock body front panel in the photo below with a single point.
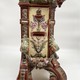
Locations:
(38, 31)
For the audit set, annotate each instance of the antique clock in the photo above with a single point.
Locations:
(38, 46)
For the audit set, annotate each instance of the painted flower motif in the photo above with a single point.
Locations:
(33, 24)
(42, 19)
(44, 25)
(35, 19)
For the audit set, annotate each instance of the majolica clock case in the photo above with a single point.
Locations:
(38, 46)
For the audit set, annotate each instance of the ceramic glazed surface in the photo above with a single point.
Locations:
(38, 46)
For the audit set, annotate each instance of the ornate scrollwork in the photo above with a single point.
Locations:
(55, 2)
(24, 29)
(24, 13)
